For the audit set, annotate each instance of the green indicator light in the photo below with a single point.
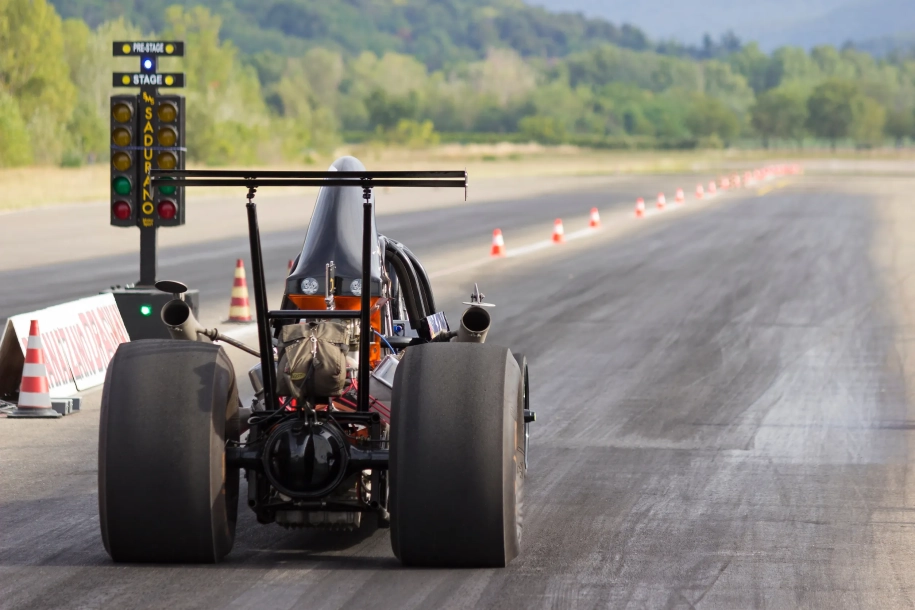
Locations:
(121, 185)
(168, 190)
(145, 310)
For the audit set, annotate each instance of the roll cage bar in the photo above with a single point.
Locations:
(366, 180)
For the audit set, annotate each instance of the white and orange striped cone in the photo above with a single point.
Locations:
(239, 311)
(747, 178)
(725, 183)
(498, 243)
(662, 201)
(712, 189)
(34, 394)
(559, 234)
(594, 221)
(735, 181)
(700, 192)
(639, 208)
(680, 197)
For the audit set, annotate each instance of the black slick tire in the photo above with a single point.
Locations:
(525, 405)
(457, 461)
(165, 494)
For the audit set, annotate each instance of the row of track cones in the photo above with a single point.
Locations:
(679, 198)
(558, 236)
(726, 182)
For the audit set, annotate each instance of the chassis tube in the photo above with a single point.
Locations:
(365, 323)
(260, 307)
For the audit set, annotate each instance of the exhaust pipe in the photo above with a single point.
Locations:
(181, 323)
(474, 325)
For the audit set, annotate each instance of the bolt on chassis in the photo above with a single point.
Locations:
(369, 410)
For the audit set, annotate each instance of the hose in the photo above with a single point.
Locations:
(409, 284)
(425, 285)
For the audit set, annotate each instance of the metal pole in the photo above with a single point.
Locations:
(365, 322)
(148, 256)
(260, 305)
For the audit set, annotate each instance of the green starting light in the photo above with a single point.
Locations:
(167, 190)
(146, 310)
(121, 185)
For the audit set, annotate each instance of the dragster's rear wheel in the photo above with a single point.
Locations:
(457, 462)
(165, 493)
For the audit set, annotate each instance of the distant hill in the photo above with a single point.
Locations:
(436, 31)
(883, 47)
(772, 23)
(857, 21)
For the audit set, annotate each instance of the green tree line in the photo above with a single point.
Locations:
(272, 106)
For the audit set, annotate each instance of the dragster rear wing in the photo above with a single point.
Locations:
(254, 179)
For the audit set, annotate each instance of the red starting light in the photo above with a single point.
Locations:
(167, 209)
(121, 210)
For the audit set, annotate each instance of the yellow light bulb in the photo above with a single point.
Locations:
(166, 160)
(120, 137)
(121, 113)
(121, 161)
(167, 136)
(167, 112)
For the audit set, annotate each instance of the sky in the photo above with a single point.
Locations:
(772, 23)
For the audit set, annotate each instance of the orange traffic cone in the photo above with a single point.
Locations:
(747, 178)
(680, 197)
(725, 183)
(594, 222)
(639, 207)
(238, 307)
(559, 234)
(498, 243)
(700, 192)
(662, 201)
(712, 190)
(34, 395)
(735, 180)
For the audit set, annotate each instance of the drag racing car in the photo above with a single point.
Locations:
(369, 410)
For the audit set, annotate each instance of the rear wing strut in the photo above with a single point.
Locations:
(254, 179)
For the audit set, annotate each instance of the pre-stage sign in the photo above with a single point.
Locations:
(174, 48)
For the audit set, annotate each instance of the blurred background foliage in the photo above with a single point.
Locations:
(282, 80)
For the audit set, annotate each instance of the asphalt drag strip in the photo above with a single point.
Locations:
(723, 419)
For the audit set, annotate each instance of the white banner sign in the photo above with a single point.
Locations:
(78, 339)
